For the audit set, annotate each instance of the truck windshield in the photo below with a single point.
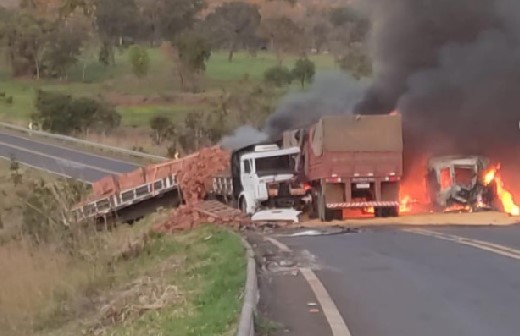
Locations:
(274, 165)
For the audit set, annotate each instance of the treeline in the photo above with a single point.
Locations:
(44, 38)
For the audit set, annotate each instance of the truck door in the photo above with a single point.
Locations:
(248, 178)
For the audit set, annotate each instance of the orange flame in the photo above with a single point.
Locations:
(505, 196)
(405, 204)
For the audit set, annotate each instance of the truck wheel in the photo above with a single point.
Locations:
(394, 211)
(379, 212)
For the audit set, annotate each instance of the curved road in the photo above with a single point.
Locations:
(442, 281)
(59, 159)
(389, 282)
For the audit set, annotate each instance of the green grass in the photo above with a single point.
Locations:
(243, 64)
(211, 279)
(141, 115)
(161, 80)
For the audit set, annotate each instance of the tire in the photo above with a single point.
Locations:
(394, 211)
(379, 212)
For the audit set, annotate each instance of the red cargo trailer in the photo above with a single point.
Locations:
(351, 161)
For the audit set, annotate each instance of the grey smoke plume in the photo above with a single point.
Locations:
(242, 137)
(331, 93)
(451, 67)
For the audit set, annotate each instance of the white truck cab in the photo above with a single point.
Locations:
(265, 165)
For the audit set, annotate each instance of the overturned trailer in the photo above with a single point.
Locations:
(253, 178)
(457, 183)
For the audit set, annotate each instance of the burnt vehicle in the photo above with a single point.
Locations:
(456, 183)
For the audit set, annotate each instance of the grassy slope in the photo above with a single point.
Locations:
(47, 292)
(206, 269)
(211, 278)
(161, 80)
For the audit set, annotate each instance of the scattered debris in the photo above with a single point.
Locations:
(277, 215)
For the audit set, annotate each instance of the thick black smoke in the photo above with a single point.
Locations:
(331, 93)
(452, 68)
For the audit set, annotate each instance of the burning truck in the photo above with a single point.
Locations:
(467, 183)
(457, 183)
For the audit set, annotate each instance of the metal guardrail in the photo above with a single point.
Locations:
(66, 138)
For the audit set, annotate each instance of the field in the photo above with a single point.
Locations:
(139, 99)
(130, 281)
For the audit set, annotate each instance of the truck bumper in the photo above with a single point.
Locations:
(363, 204)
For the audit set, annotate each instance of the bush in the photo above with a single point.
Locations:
(161, 127)
(304, 71)
(140, 61)
(63, 114)
(46, 213)
(278, 75)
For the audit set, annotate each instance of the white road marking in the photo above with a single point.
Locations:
(331, 312)
(57, 158)
(69, 149)
(276, 243)
(336, 322)
(480, 244)
(46, 170)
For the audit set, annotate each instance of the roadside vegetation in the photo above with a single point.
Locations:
(60, 278)
(113, 67)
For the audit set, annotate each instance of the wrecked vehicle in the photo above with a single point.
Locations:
(456, 183)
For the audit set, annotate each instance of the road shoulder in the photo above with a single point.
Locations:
(287, 304)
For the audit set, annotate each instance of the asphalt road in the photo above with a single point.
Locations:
(463, 281)
(59, 159)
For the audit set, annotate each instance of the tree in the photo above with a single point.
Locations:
(284, 35)
(193, 51)
(167, 19)
(115, 20)
(39, 46)
(88, 7)
(304, 71)
(349, 27)
(88, 53)
(140, 61)
(60, 113)
(25, 38)
(64, 47)
(162, 128)
(317, 28)
(193, 131)
(278, 75)
(53, 112)
(356, 62)
(152, 12)
(234, 24)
